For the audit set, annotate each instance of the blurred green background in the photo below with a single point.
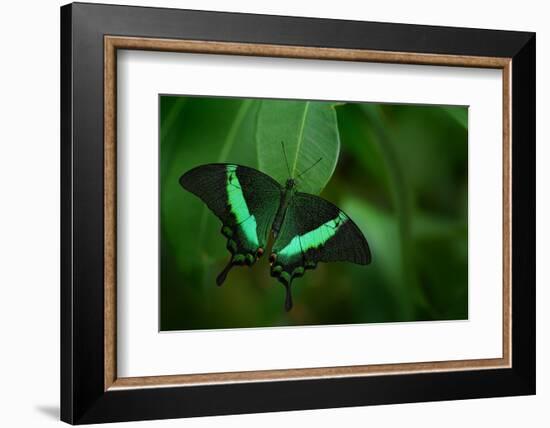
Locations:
(400, 174)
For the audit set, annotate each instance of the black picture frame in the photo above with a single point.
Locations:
(83, 396)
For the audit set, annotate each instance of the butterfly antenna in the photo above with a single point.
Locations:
(286, 159)
(316, 162)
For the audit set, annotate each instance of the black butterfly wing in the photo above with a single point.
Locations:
(244, 199)
(314, 230)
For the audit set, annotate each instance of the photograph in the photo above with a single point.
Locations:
(291, 212)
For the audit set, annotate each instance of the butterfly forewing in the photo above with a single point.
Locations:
(244, 199)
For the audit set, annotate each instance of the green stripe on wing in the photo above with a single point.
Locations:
(243, 219)
(313, 239)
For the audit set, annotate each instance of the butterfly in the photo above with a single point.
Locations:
(307, 229)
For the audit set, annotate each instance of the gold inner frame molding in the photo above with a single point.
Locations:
(113, 43)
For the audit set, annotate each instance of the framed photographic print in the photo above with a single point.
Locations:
(265, 213)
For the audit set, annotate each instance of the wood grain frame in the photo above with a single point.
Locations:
(114, 43)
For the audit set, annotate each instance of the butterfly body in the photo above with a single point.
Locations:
(288, 193)
(307, 229)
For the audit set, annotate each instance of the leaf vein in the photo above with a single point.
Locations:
(300, 138)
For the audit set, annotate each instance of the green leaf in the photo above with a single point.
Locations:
(309, 131)
(459, 114)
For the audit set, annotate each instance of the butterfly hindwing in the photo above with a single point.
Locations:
(313, 231)
(246, 202)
